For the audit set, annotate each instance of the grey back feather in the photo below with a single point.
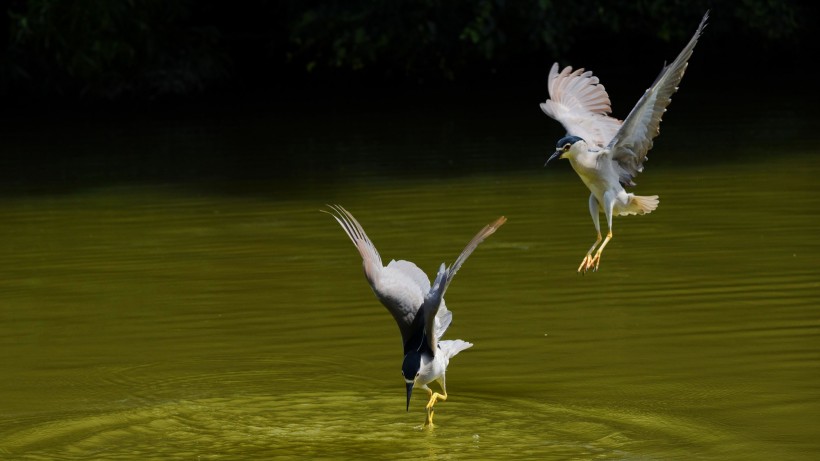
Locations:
(402, 287)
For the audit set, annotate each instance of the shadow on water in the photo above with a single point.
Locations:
(291, 146)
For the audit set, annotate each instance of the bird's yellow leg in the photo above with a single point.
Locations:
(587, 262)
(428, 422)
(434, 397)
(597, 259)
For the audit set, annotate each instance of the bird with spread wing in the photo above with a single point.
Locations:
(608, 153)
(417, 307)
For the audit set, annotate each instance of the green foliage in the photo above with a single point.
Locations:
(432, 38)
(118, 48)
(112, 48)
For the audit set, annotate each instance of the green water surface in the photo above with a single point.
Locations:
(170, 289)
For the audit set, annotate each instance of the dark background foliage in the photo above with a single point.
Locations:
(125, 50)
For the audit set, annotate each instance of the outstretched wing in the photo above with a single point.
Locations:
(581, 104)
(633, 141)
(444, 276)
(485, 232)
(400, 286)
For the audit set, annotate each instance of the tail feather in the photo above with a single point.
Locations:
(640, 204)
(451, 347)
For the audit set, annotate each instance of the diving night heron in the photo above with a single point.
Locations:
(418, 308)
(605, 152)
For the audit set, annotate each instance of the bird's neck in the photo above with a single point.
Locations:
(584, 160)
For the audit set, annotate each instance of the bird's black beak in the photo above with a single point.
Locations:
(409, 393)
(555, 155)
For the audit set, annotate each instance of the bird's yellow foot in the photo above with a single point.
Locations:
(583, 266)
(596, 260)
(434, 397)
(592, 262)
(428, 422)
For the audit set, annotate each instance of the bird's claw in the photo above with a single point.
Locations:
(584, 264)
(590, 262)
(596, 261)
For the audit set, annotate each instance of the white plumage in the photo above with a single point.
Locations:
(608, 153)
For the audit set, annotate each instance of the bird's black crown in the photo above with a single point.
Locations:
(567, 140)
(411, 364)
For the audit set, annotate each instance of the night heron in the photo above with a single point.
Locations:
(418, 308)
(608, 153)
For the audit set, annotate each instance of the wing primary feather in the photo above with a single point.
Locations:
(371, 260)
(445, 275)
(485, 232)
(634, 139)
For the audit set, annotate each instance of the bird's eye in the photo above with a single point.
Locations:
(566, 147)
(417, 374)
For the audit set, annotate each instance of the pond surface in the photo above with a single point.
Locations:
(170, 289)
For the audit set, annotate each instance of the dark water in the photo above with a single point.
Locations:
(170, 289)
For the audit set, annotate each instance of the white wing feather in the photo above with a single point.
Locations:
(443, 319)
(452, 347)
(581, 104)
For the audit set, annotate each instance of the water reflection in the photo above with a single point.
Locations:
(229, 317)
(263, 425)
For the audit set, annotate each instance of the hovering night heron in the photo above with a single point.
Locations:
(418, 308)
(605, 152)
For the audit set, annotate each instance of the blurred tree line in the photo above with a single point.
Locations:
(121, 49)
